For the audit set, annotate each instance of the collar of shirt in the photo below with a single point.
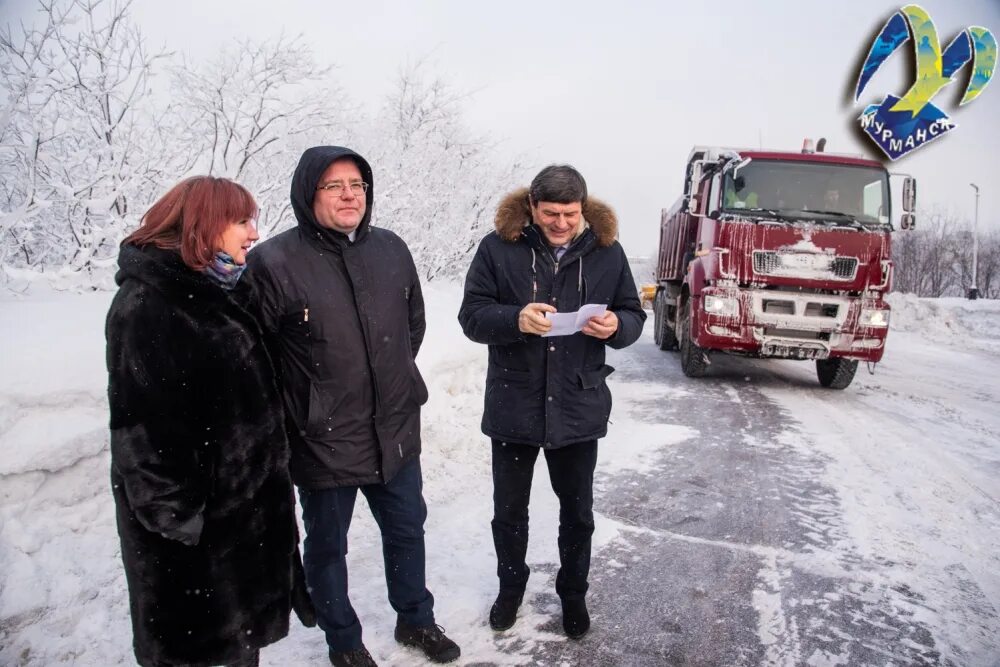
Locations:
(559, 251)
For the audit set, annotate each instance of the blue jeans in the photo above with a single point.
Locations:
(399, 511)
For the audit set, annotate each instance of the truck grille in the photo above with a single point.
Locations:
(799, 307)
(845, 267)
(799, 334)
(804, 265)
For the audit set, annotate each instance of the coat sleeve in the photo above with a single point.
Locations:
(264, 296)
(154, 436)
(483, 318)
(415, 302)
(627, 307)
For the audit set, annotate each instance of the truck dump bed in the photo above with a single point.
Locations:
(677, 235)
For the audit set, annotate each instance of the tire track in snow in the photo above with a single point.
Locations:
(733, 548)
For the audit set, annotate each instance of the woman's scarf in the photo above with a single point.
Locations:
(224, 270)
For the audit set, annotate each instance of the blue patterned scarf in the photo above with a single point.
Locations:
(224, 270)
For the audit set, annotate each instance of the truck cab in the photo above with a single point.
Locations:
(778, 254)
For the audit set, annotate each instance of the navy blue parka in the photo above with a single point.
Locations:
(550, 392)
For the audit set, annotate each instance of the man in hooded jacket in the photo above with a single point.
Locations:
(340, 301)
(554, 250)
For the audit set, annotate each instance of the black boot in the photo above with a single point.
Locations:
(429, 639)
(503, 613)
(359, 657)
(576, 619)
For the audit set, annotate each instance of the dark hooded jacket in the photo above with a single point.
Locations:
(345, 320)
(549, 392)
(199, 467)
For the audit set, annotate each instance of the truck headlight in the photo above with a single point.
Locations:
(874, 318)
(721, 305)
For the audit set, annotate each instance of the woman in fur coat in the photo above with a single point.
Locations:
(198, 451)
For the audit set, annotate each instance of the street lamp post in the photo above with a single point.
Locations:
(974, 289)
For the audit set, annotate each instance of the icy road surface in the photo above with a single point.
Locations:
(803, 526)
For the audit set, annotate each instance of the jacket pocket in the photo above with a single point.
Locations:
(589, 405)
(324, 399)
(295, 319)
(509, 375)
(594, 378)
(418, 393)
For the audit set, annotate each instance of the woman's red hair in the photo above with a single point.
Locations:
(191, 217)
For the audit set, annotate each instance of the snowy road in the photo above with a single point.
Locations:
(748, 518)
(802, 526)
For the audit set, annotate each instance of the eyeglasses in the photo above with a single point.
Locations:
(336, 188)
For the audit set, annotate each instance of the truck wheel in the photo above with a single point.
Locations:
(663, 334)
(694, 360)
(836, 373)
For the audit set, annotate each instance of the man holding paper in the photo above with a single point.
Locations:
(554, 253)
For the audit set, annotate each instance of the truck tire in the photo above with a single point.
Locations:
(694, 360)
(663, 333)
(836, 373)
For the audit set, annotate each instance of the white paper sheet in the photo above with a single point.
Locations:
(565, 324)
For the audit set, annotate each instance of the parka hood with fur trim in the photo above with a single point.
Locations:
(514, 214)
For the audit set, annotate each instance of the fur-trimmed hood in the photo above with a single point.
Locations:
(514, 214)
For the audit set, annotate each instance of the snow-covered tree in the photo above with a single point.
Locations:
(437, 183)
(926, 258)
(935, 259)
(989, 265)
(87, 143)
(78, 163)
(249, 113)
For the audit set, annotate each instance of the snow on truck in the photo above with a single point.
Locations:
(778, 254)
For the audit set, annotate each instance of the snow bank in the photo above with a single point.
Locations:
(62, 590)
(953, 320)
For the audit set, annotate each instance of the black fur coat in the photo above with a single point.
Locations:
(199, 468)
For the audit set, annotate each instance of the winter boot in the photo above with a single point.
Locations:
(359, 657)
(576, 620)
(503, 613)
(429, 639)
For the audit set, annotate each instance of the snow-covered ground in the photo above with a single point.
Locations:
(913, 454)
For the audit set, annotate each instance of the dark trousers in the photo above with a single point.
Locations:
(571, 472)
(399, 511)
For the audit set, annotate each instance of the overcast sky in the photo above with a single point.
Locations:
(622, 90)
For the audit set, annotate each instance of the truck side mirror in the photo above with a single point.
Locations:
(908, 221)
(909, 195)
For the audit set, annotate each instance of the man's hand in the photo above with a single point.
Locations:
(531, 319)
(602, 326)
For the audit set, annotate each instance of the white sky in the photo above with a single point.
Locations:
(623, 90)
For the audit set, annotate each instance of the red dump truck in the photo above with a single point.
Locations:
(778, 254)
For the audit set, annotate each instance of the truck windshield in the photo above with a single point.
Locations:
(809, 190)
